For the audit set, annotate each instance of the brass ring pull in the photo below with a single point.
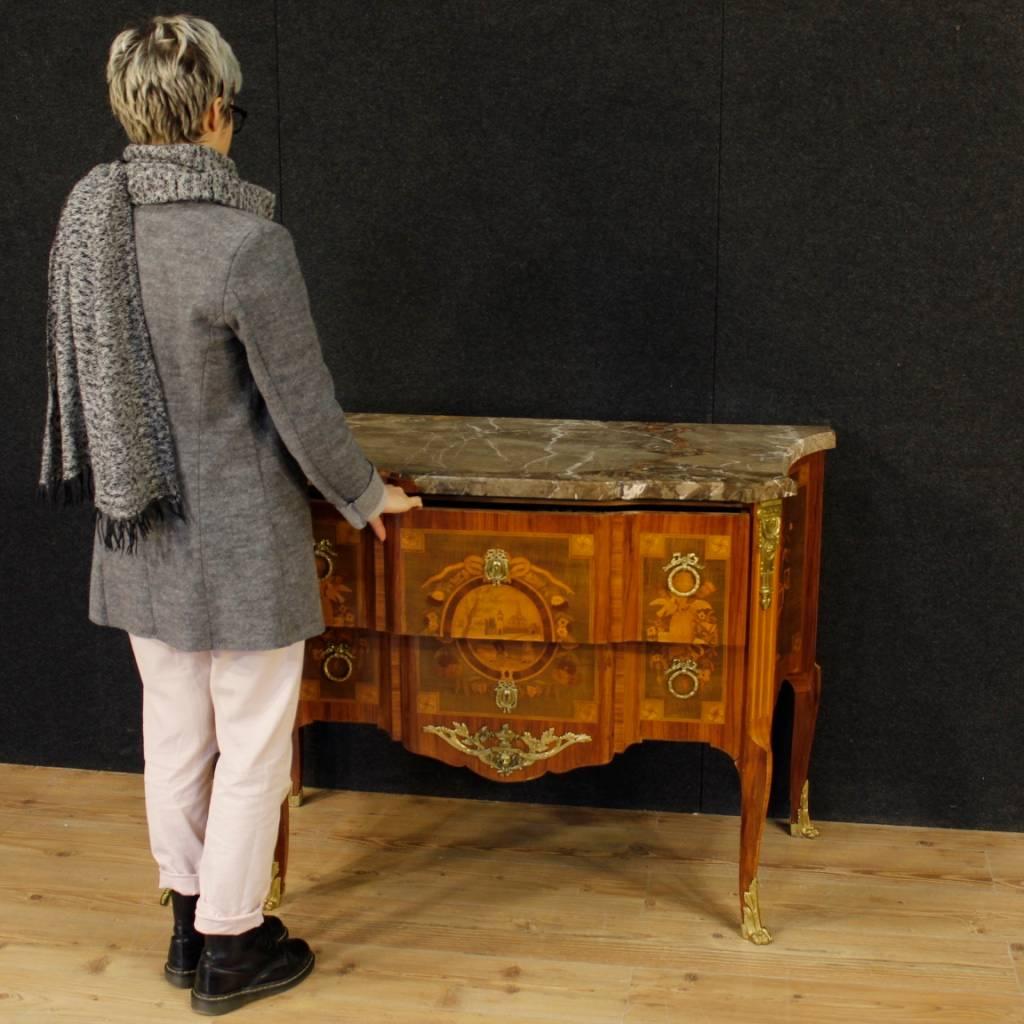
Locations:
(683, 563)
(340, 652)
(679, 668)
(325, 549)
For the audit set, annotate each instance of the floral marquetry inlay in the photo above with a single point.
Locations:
(504, 622)
(685, 603)
(338, 555)
(532, 588)
(505, 678)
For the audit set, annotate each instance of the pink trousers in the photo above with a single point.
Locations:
(213, 820)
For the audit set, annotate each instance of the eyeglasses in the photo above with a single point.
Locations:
(238, 116)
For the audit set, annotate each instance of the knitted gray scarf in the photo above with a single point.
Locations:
(107, 432)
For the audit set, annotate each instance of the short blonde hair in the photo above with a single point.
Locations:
(164, 75)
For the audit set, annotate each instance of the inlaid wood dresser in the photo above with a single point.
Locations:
(572, 587)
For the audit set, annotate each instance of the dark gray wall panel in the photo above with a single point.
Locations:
(507, 209)
(69, 694)
(871, 274)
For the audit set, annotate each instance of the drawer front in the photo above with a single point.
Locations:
(508, 710)
(341, 566)
(343, 665)
(506, 678)
(538, 578)
(689, 682)
(687, 582)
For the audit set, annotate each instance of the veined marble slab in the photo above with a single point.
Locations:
(586, 460)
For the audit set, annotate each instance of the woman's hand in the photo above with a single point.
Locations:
(396, 501)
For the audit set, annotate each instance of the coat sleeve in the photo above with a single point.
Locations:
(267, 307)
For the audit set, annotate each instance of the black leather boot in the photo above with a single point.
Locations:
(187, 944)
(236, 969)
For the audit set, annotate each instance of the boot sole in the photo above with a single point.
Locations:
(178, 978)
(212, 1006)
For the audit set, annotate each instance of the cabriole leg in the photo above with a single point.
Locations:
(280, 865)
(755, 769)
(295, 797)
(806, 698)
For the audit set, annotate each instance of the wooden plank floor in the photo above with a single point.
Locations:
(435, 911)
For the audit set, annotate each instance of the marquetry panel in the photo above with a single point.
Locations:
(657, 701)
(685, 682)
(511, 746)
(341, 566)
(508, 678)
(343, 665)
(686, 584)
(503, 576)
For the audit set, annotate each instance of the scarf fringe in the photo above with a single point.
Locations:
(124, 534)
(117, 534)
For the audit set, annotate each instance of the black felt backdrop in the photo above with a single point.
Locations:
(805, 212)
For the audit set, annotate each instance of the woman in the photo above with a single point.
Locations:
(190, 400)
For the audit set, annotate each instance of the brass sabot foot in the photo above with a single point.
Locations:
(752, 929)
(273, 900)
(803, 827)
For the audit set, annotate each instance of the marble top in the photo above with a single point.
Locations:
(586, 460)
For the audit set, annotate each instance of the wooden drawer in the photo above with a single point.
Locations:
(507, 678)
(685, 580)
(688, 682)
(494, 575)
(342, 566)
(508, 710)
(343, 665)
(680, 692)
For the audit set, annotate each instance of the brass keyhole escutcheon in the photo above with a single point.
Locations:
(683, 563)
(496, 566)
(681, 667)
(506, 692)
(325, 549)
(338, 652)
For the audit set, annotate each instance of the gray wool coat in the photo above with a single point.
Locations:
(253, 413)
